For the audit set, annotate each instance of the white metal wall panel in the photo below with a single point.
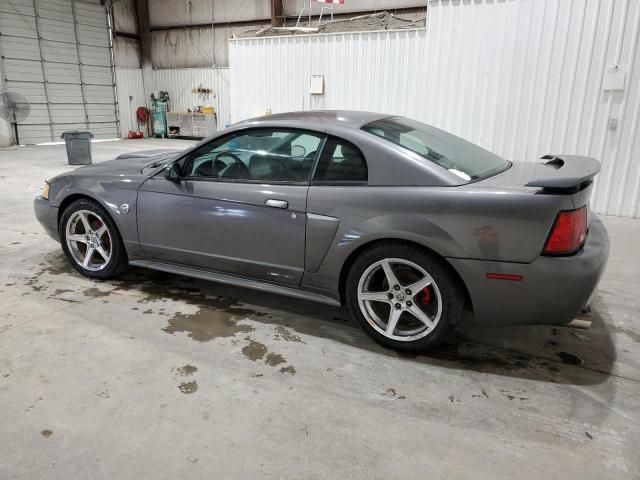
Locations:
(18, 25)
(64, 93)
(58, 55)
(96, 75)
(67, 113)
(56, 30)
(22, 48)
(90, 55)
(32, 91)
(22, 70)
(519, 77)
(180, 82)
(99, 93)
(90, 14)
(129, 82)
(55, 9)
(34, 133)
(91, 35)
(39, 115)
(21, 7)
(58, 52)
(62, 72)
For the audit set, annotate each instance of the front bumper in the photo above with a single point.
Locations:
(47, 215)
(554, 290)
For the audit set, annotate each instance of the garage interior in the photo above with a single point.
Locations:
(156, 375)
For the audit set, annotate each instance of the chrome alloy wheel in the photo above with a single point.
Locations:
(89, 240)
(399, 299)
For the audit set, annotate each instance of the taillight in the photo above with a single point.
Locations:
(568, 233)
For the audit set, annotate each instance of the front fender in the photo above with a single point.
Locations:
(113, 195)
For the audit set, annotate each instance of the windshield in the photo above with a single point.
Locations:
(462, 158)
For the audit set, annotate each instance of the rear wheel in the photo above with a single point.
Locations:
(403, 297)
(91, 241)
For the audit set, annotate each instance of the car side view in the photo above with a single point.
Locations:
(412, 228)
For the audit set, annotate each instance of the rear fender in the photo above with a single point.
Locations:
(410, 228)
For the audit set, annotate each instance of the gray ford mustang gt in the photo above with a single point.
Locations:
(413, 228)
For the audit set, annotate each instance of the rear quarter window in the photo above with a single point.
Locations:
(464, 159)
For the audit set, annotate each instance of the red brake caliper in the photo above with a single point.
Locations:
(425, 295)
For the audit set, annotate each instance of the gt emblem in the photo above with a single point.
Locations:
(124, 207)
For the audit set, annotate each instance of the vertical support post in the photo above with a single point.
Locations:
(44, 78)
(82, 93)
(276, 13)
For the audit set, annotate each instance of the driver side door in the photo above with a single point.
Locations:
(238, 207)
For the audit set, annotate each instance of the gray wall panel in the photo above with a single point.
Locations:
(22, 7)
(20, 25)
(58, 52)
(64, 93)
(90, 55)
(25, 70)
(21, 48)
(56, 30)
(62, 72)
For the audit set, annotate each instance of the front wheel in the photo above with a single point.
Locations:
(403, 297)
(91, 241)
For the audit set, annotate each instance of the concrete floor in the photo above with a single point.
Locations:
(164, 377)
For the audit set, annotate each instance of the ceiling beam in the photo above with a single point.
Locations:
(276, 13)
(195, 26)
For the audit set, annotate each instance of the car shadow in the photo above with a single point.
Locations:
(542, 353)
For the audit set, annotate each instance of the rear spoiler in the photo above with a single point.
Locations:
(564, 172)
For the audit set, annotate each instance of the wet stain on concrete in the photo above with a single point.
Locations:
(282, 333)
(290, 370)
(60, 291)
(94, 292)
(254, 350)
(186, 371)
(46, 433)
(206, 324)
(188, 387)
(569, 358)
(274, 359)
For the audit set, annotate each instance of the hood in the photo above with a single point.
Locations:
(135, 163)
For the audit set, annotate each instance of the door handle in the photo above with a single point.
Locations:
(272, 202)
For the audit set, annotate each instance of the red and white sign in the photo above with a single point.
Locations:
(339, 2)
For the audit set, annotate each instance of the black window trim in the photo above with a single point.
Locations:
(245, 131)
(337, 183)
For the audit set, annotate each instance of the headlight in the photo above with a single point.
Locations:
(45, 191)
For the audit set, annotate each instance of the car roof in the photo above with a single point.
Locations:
(315, 119)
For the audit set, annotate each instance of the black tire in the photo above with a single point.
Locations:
(117, 262)
(450, 293)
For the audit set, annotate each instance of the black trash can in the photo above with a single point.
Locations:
(78, 147)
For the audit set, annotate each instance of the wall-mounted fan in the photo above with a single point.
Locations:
(14, 108)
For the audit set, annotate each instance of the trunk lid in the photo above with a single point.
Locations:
(568, 176)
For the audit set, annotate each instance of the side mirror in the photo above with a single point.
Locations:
(172, 172)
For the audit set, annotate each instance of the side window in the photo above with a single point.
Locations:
(279, 155)
(340, 162)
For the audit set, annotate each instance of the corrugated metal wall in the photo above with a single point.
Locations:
(57, 54)
(520, 77)
(129, 82)
(179, 83)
